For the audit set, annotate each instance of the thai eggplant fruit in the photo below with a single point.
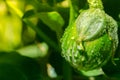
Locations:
(91, 40)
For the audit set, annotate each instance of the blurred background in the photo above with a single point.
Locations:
(30, 33)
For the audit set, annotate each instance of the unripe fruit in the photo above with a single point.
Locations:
(91, 40)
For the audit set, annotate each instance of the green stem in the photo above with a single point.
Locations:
(14, 8)
(67, 75)
(95, 4)
(73, 12)
(41, 34)
(67, 70)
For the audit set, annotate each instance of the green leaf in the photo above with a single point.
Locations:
(52, 19)
(13, 66)
(95, 72)
(34, 50)
(29, 14)
(9, 72)
(39, 6)
(42, 34)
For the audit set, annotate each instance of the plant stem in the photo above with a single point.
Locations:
(41, 34)
(67, 71)
(73, 12)
(95, 4)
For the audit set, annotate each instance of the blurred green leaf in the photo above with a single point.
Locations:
(29, 14)
(29, 35)
(52, 20)
(95, 72)
(13, 66)
(53, 2)
(39, 6)
(9, 72)
(45, 37)
(26, 18)
(34, 51)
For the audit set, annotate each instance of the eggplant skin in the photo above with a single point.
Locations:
(94, 54)
(91, 40)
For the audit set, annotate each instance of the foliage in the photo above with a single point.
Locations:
(31, 31)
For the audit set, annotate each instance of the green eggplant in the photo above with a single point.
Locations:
(91, 40)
